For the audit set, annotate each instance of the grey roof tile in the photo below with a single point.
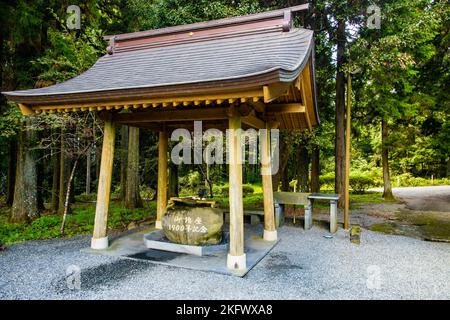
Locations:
(189, 63)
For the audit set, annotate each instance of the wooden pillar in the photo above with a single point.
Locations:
(161, 202)
(270, 232)
(347, 154)
(100, 239)
(236, 257)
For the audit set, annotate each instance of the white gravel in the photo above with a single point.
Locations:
(431, 198)
(304, 265)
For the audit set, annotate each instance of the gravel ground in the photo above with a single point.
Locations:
(304, 265)
(431, 198)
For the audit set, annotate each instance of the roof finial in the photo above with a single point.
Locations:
(287, 20)
(110, 48)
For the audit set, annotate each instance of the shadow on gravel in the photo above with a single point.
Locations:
(96, 278)
(280, 261)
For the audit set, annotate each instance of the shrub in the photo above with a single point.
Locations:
(360, 182)
(194, 179)
(224, 190)
(217, 190)
(246, 190)
(327, 180)
(84, 197)
(146, 192)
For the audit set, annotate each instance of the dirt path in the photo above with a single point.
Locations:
(435, 198)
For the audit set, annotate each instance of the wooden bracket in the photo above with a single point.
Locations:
(26, 110)
(274, 91)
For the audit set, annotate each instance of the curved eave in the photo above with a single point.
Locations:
(122, 89)
(225, 85)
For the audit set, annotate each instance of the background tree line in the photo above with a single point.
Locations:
(400, 125)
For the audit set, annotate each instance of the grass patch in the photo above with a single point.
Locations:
(432, 225)
(251, 201)
(369, 197)
(428, 225)
(79, 221)
(385, 227)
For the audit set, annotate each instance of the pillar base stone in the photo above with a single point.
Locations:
(270, 235)
(158, 225)
(236, 262)
(99, 243)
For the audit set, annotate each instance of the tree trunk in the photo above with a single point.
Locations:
(284, 153)
(285, 179)
(40, 174)
(68, 192)
(123, 161)
(448, 168)
(315, 168)
(11, 171)
(88, 172)
(387, 192)
(302, 169)
(40, 171)
(132, 197)
(62, 173)
(72, 187)
(55, 183)
(173, 180)
(25, 204)
(340, 114)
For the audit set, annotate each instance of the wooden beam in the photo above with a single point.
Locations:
(272, 109)
(259, 106)
(161, 202)
(253, 121)
(236, 259)
(309, 101)
(304, 99)
(171, 115)
(274, 91)
(165, 101)
(270, 233)
(100, 239)
(26, 110)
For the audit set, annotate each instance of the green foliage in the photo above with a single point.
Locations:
(80, 221)
(144, 14)
(408, 180)
(69, 55)
(147, 192)
(251, 201)
(246, 190)
(360, 183)
(84, 197)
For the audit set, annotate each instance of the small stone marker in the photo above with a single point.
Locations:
(355, 235)
(192, 224)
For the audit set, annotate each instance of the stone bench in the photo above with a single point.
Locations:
(307, 200)
(333, 198)
(255, 216)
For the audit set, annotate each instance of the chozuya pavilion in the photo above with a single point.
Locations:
(253, 71)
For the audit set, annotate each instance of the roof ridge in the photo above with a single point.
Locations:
(277, 19)
(209, 24)
(215, 36)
